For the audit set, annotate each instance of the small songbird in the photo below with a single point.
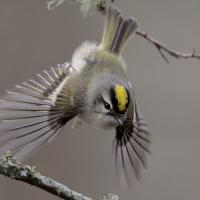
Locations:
(93, 87)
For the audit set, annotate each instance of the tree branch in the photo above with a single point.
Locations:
(12, 168)
(164, 49)
(15, 170)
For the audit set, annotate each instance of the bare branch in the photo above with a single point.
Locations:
(15, 170)
(164, 49)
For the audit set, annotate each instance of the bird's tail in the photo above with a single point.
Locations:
(117, 30)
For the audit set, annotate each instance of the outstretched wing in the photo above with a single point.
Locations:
(28, 114)
(132, 143)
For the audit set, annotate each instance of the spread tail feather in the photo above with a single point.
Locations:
(117, 30)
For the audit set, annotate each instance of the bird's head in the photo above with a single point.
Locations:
(108, 100)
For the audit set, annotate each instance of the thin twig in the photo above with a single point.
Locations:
(15, 170)
(164, 49)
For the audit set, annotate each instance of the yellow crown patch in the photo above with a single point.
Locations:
(121, 96)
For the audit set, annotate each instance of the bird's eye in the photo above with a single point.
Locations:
(107, 106)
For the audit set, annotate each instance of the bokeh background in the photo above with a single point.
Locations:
(33, 38)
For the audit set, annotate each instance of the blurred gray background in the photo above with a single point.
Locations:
(33, 38)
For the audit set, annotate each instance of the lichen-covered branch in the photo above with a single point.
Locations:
(85, 5)
(12, 168)
(15, 170)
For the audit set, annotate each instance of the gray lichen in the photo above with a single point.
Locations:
(10, 167)
(86, 6)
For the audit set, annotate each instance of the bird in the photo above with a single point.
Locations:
(92, 88)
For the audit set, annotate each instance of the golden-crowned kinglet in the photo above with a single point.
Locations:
(93, 87)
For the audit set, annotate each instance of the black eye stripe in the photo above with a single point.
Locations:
(100, 100)
(107, 105)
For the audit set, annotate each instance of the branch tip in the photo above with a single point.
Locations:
(162, 49)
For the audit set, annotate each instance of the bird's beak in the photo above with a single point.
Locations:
(119, 121)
